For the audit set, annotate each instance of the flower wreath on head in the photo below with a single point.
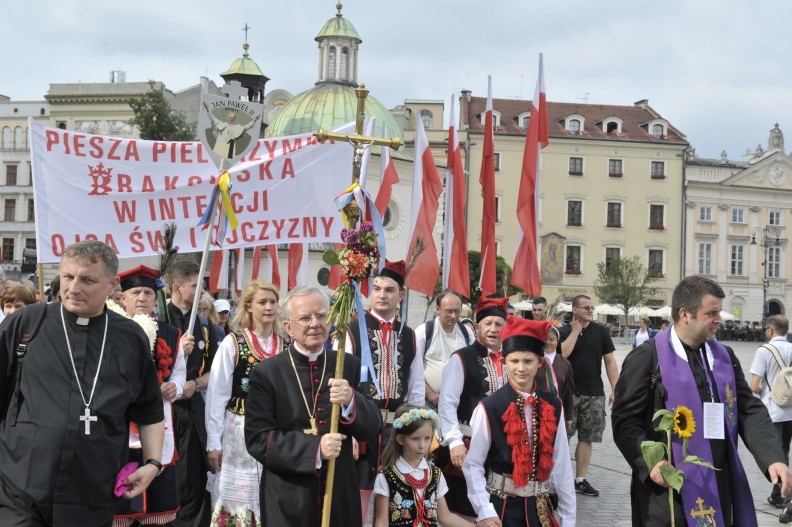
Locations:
(414, 415)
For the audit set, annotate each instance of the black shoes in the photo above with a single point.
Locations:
(585, 488)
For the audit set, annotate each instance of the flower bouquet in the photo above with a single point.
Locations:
(681, 423)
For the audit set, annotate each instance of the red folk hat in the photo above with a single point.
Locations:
(520, 334)
(397, 271)
(140, 276)
(488, 307)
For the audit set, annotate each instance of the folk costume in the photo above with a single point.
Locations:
(667, 373)
(520, 438)
(399, 370)
(287, 411)
(190, 425)
(159, 503)
(65, 436)
(412, 493)
(235, 489)
(472, 373)
(556, 378)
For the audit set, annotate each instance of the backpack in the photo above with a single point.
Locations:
(430, 333)
(781, 391)
(31, 319)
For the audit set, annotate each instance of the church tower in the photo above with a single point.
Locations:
(338, 51)
(245, 71)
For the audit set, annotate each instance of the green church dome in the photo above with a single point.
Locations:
(338, 26)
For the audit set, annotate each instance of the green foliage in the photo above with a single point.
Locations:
(625, 282)
(503, 273)
(674, 477)
(652, 452)
(157, 120)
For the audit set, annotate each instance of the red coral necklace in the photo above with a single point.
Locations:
(260, 351)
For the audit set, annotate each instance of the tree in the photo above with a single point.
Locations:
(502, 275)
(625, 282)
(157, 120)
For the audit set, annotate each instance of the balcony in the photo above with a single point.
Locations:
(574, 223)
(615, 174)
(658, 176)
(614, 224)
(573, 270)
(575, 172)
(656, 227)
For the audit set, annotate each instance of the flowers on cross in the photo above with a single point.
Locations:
(360, 256)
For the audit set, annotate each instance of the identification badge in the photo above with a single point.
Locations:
(714, 421)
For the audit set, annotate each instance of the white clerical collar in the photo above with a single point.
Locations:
(312, 356)
(405, 468)
(390, 321)
(676, 343)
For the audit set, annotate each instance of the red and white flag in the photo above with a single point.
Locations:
(218, 275)
(239, 279)
(298, 265)
(525, 273)
(427, 188)
(456, 273)
(256, 263)
(388, 177)
(487, 279)
(273, 266)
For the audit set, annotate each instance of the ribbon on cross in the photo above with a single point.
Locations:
(222, 200)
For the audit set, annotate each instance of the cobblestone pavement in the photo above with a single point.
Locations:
(610, 474)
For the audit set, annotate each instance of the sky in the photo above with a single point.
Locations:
(718, 70)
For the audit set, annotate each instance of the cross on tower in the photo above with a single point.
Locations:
(245, 29)
(234, 90)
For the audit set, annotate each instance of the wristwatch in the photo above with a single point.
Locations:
(156, 464)
(198, 386)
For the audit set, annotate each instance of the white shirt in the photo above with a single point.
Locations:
(179, 374)
(416, 393)
(641, 337)
(382, 488)
(765, 366)
(561, 475)
(450, 393)
(440, 349)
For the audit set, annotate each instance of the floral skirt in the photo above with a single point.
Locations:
(235, 488)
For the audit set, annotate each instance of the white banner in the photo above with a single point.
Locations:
(122, 191)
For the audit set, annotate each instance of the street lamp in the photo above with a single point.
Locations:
(765, 236)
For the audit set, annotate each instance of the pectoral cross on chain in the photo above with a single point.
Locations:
(87, 418)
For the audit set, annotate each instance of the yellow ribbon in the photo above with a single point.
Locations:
(351, 188)
(224, 184)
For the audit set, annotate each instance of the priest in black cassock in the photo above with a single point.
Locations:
(287, 421)
(85, 374)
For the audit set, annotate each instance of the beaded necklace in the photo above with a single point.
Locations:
(260, 351)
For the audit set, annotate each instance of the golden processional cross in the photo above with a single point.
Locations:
(352, 211)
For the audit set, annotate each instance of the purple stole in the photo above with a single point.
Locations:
(700, 497)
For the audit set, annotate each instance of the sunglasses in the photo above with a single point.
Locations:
(587, 308)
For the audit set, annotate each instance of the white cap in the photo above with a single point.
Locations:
(222, 305)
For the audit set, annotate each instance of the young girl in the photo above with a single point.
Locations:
(409, 491)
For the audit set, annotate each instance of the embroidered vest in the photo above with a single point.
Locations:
(392, 364)
(481, 379)
(246, 361)
(499, 458)
(402, 510)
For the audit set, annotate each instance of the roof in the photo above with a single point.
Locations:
(244, 65)
(635, 119)
(338, 26)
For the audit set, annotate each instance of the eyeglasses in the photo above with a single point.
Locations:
(305, 320)
(587, 308)
(450, 312)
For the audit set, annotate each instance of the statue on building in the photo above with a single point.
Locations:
(776, 140)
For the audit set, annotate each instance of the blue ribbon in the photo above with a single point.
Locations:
(366, 364)
(344, 199)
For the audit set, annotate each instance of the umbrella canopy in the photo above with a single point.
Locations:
(608, 309)
(523, 305)
(663, 312)
(644, 311)
(725, 315)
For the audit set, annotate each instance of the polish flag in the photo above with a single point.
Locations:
(239, 279)
(298, 265)
(427, 188)
(525, 273)
(487, 281)
(388, 177)
(456, 273)
(218, 276)
(256, 263)
(335, 271)
(273, 266)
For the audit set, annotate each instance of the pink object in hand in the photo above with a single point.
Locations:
(126, 470)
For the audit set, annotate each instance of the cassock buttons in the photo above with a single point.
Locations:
(320, 409)
(316, 380)
(321, 421)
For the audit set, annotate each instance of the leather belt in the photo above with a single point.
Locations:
(503, 486)
(387, 417)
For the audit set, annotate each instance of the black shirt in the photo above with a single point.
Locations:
(593, 343)
(46, 454)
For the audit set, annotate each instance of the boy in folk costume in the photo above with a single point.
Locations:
(518, 434)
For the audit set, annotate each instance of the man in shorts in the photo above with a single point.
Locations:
(587, 345)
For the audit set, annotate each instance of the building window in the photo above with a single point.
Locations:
(774, 217)
(657, 217)
(8, 249)
(658, 170)
(705, 258)
(11, 175)
(738, 216)
(736, 260)
(31, 212)
(774, 262)
(575, 166)
(497, 209)
(344, 63)
(427, 119)
(574, 213)
(612, 127)
(10, 210)
(496, 156)
(30, 243)
(524, 122)
(497, 248)
(615, 168)
(614, 214)
(657, 130)
(705, 213)
(611, 255)
(574, 126)
(656, 263)
(331, 63)
(573, 259)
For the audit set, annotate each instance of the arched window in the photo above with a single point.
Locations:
(525, 120)
(657, 130)
(427, 119)
(344, 64)
(574, 126)
(6, 142)
(612, 127)
(331, 63)
(18, 137)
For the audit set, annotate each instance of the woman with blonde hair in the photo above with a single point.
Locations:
(235, 489)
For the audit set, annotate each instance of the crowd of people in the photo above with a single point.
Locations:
(122, 409)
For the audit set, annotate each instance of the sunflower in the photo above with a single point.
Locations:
(684, 424)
